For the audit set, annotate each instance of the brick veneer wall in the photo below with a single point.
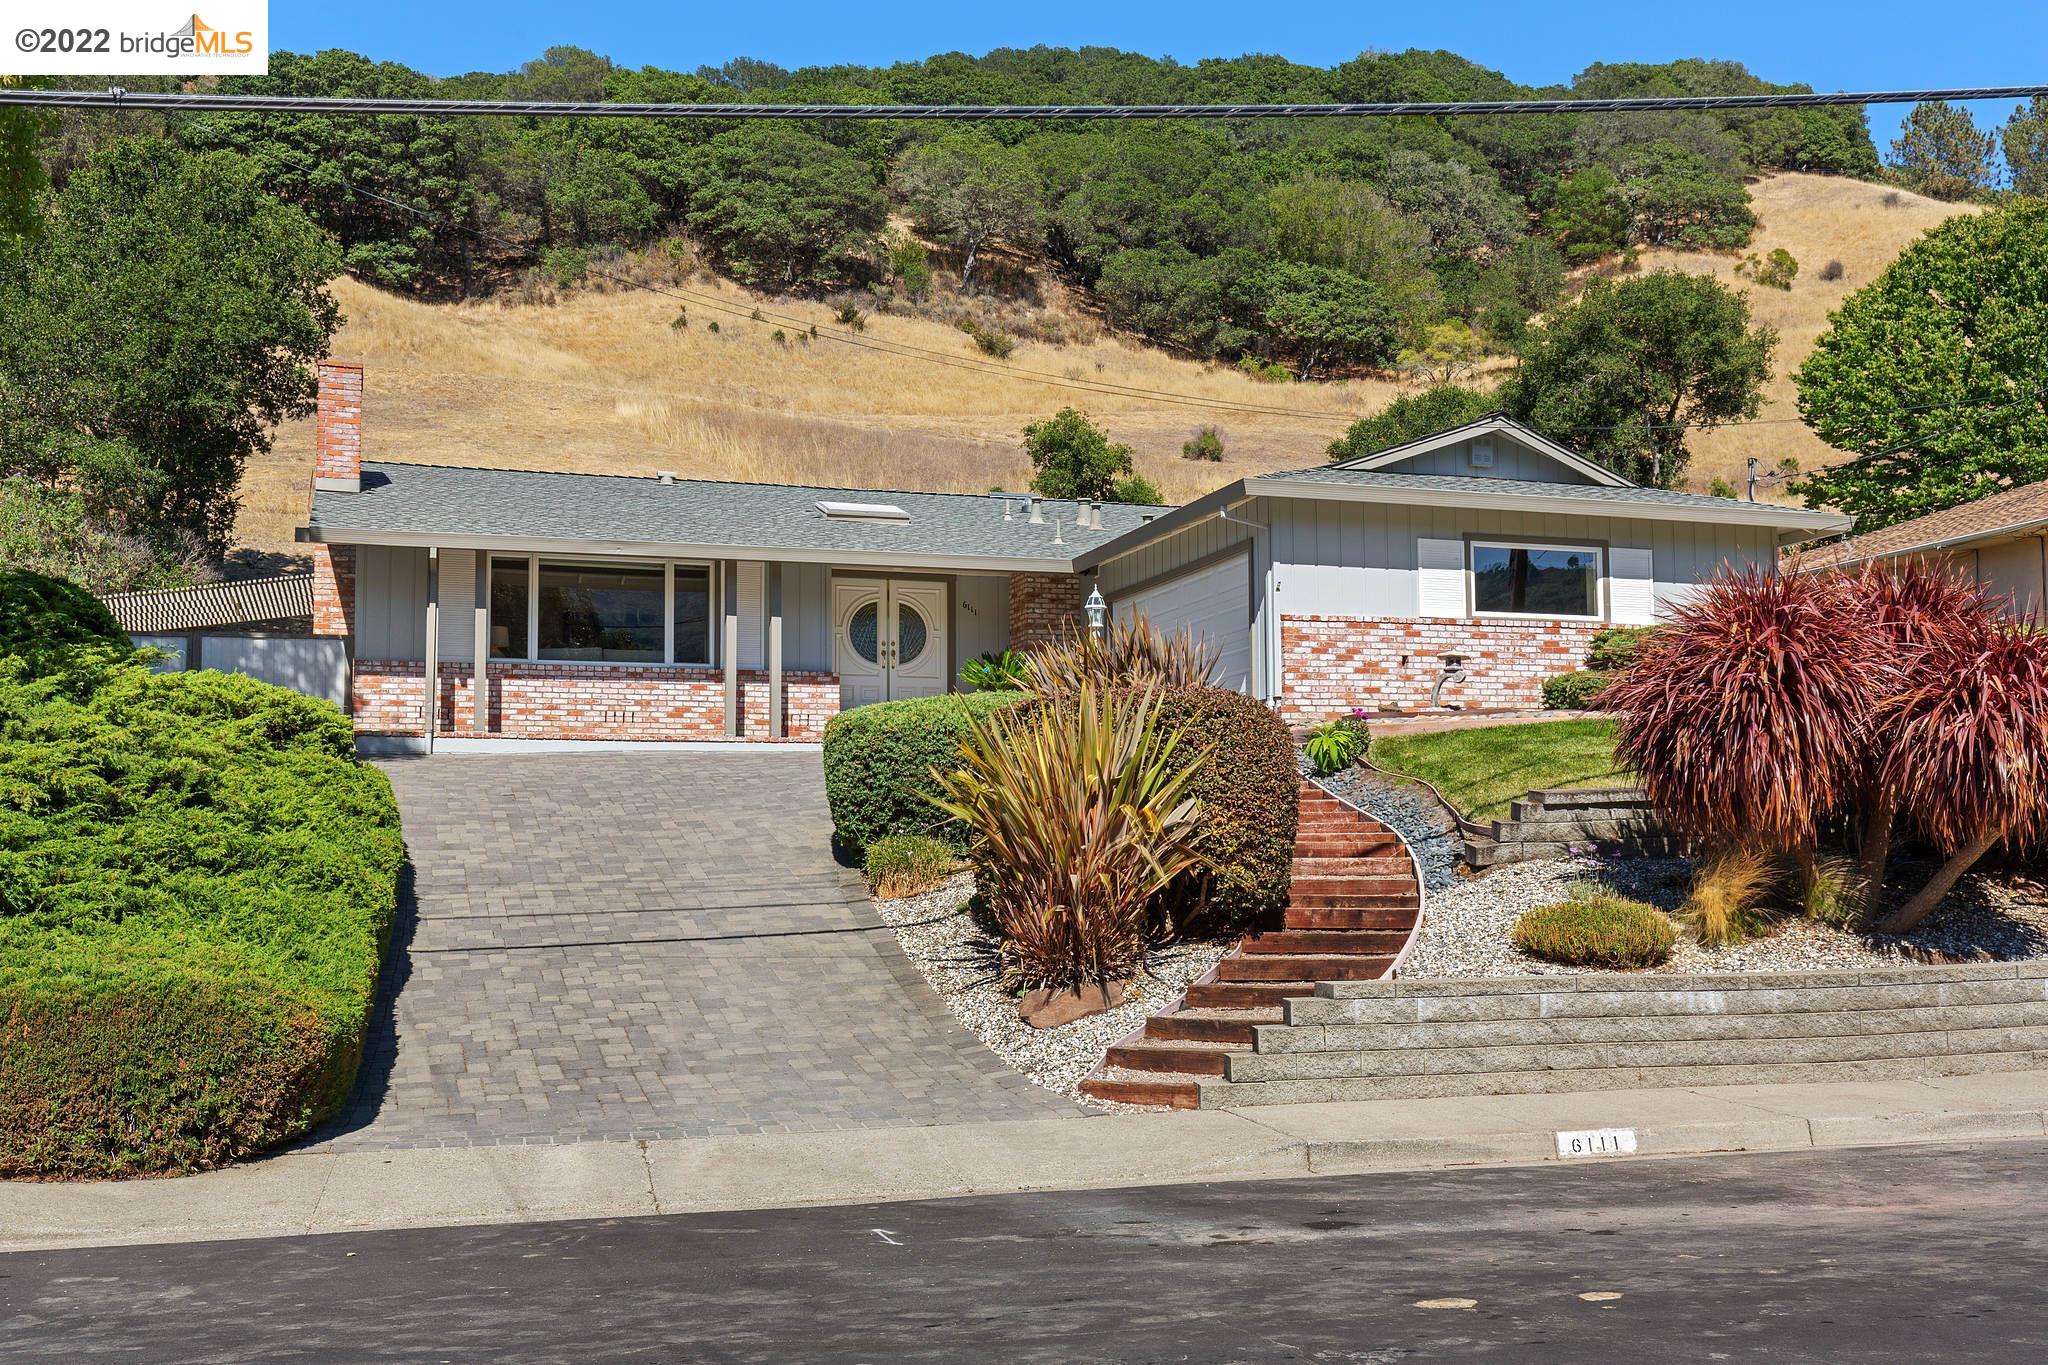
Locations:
(578, 701)
(1043, 607)
(334, 589)
(1332, 663)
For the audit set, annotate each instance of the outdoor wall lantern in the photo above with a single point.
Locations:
(1097, 609)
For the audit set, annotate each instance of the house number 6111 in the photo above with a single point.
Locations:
(1596, 1142)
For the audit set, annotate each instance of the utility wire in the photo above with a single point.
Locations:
(117, 98)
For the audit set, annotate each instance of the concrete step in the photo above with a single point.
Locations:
(1375, 941)
(1211, 1025)
(1440, 1061)
(1412, 1002)
(1350, 917)
(1633, 1030)
(1179, 1058)
(1286, 967)
(1218, 1093)
(1246, 994)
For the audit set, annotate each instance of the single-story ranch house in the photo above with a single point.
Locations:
(1473, 564)
(2000, 542)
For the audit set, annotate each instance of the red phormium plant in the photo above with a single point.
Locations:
(1966, 743)
(1747, 716)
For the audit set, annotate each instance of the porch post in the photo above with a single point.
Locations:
(730, 652)
(777, 722)
(433, 678)
(480, 685)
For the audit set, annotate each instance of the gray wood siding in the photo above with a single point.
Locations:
(391, 603)
(1170, 555)
(981, 615)
(1511, 460)
(1358, 559)
(807, 617)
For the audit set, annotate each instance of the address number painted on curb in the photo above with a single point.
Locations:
(1597, 1142)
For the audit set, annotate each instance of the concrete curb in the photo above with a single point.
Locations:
(324, 1190)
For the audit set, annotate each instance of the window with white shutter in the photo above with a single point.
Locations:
(1631, 587)
(1440, 577)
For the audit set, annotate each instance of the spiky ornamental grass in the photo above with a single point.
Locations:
(1967, 744)
(1130, 653)
(1747, 717)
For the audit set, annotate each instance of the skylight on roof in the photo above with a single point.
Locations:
(863, 511)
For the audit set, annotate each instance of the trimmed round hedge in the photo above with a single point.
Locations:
(197, 881)
(1597, 929)
(1250, 790)
(878, 762)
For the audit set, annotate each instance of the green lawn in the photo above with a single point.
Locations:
(1481, 770)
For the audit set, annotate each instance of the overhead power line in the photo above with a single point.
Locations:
(117, 98)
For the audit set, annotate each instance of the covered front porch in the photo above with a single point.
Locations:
(468, 643)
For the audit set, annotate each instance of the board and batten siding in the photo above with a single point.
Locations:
(1511, 460)
(1360, 559)
(391, 603)
(1170, 555)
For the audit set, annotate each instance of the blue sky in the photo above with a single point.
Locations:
(1832, 46)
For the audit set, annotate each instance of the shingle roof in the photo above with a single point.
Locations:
(421, 504)
(1597, 496)
(2014, 510)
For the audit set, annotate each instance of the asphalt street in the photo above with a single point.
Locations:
(1897, 1254)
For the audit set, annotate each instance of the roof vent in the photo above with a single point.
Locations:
(1037, 517)
(665, 477)
(1092, 518)
(863, 511)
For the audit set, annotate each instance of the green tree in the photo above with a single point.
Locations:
(1411, 417)
(1463, 212)
(2024, 140)
(1175, 298)
(1320, 314)
(1525, 281)
(156, 330)
(1935, 375)
(972, 193)
(1351, 227)
(1588, 217)
(783, 209)
(1624, 370)
(1446, 351)
(1940, 151)
(1075, 460)
(1677, 198)
(21, 169)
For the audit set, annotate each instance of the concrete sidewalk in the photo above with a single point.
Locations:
(335, 1191)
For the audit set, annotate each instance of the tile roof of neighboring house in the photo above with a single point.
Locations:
(2002, 514)
(410, 504)
(246, 601)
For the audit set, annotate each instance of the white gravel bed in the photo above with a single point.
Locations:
(1465, 929)
(959, 960)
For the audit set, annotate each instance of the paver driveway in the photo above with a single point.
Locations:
(649, 944)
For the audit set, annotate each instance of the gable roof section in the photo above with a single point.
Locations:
(1335, 483)
(1492, 424)
(2014, 512)
(531, 510)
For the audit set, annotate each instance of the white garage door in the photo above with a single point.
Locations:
(1212, 603)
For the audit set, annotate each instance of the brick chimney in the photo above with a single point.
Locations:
(338, 428)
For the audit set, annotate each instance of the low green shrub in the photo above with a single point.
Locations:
(197, 879)
(38, 613)
(1336, 744)
(998, 671)
(899, 865)
(1575, 691)
(1250, 790)
(878, 762)
(1596, 928)
(1616, 647)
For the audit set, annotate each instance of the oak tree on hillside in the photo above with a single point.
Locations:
(1935, 375)
(972, 193)
(154, 332)
(1075, 460)
(1622, 372)
(1941, 152)
(782, 209)
(1322, 315)
(21, 170)
(1411, 417)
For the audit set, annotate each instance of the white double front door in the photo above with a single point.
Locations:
(889, 639)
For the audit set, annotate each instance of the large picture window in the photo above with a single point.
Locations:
(1535, 580)
(596, 612)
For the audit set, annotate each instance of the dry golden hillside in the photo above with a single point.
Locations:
(601, 382)
(1818, 219)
